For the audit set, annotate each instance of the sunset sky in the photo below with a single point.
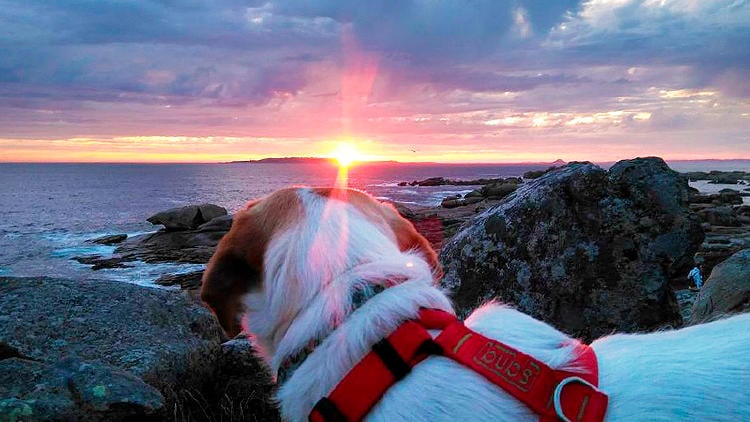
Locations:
(408, 80)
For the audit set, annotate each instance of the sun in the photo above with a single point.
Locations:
(346, 154)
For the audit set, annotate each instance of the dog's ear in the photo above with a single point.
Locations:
(232, 272)
(227, 278)
(236, 267)
(409, 238)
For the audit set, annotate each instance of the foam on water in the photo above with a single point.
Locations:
(82, 250)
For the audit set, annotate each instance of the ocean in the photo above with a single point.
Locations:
(49, 212)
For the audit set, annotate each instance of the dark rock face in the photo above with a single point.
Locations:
(188, 217)
(72, 390)
(585, 250)
(727, 290)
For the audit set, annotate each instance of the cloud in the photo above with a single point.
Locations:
(687, 32)
(385, 69)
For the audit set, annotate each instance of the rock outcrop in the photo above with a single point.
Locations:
(726, 222)
(110, 239)
(720, 177)
(442, 181)
(727, 290)
(186, 246)
(587, 250)
(111, 350)
(172, 244)
(188, 217)
(490, 192)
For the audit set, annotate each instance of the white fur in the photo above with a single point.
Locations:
(698, 373)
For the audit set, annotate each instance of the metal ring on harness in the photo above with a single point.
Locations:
(558, 393)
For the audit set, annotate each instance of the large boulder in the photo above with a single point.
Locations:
(727, 290)
(116, 335)
(188, 217)
(586, 250)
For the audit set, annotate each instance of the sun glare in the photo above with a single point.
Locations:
(346, 154)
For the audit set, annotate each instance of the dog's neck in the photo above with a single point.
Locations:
(293, 361)
(352, 339)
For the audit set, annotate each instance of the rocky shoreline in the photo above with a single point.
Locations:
(586, 249)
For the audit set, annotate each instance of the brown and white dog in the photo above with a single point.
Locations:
(289, 269)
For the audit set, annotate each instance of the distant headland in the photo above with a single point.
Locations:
(331, 160)
(302, 160)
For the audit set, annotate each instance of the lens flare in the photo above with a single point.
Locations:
(346, 154)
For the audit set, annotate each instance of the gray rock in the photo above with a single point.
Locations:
(727, 290)
(99, 262)
(191, 280)
(583, 249)
(72, 390)
(163, 337)
(110, 240)
(221, 224)
(188, 217)
(451, 203)
(498, 190)
(724, 197)
(719, 216)
(189, 246)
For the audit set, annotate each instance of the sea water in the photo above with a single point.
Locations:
(50, 212)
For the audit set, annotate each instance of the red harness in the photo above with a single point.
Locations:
(548, 392)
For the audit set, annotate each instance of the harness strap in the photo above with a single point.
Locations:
(553, 394)
(390, 360)
(527, 379)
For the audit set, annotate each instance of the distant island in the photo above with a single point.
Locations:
(331, 160)
(286, 160)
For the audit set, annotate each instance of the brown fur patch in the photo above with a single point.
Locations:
(237, 265)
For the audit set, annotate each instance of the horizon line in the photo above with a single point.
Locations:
(260, 161)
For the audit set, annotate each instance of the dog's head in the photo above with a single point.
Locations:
(237, 266)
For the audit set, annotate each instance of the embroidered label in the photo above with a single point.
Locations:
(505, 363)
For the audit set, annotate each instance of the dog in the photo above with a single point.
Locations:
(289, 273)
